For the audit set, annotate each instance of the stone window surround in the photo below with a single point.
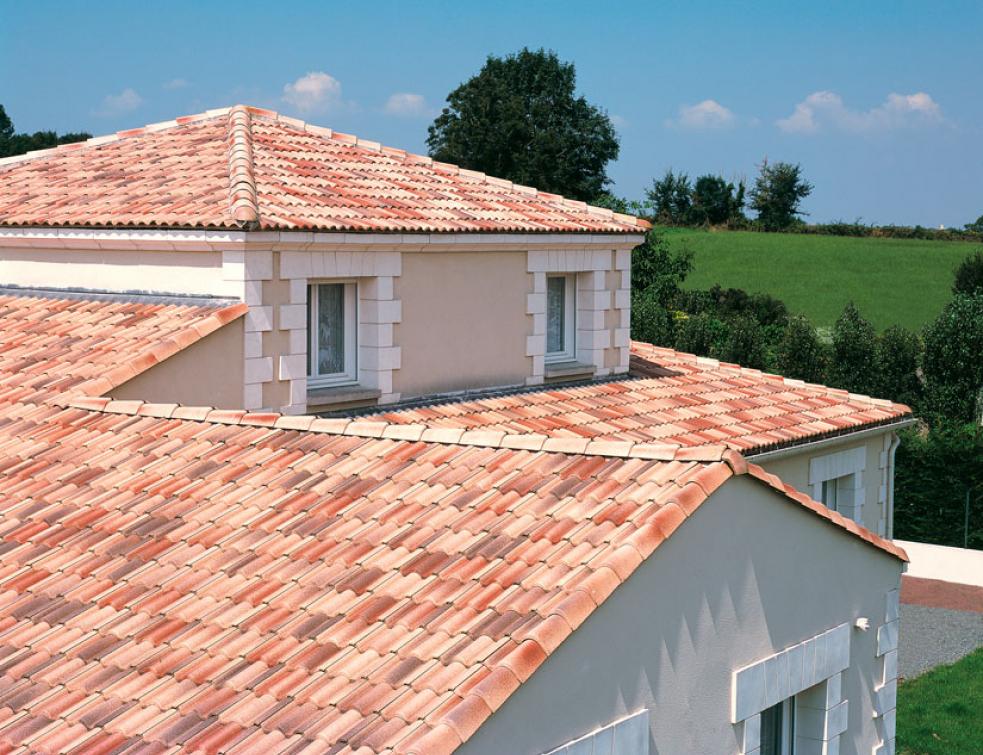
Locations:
(626, 736)
(593, 301)
(886, 690)
(809, 671)
(852, 461)
(377, 311)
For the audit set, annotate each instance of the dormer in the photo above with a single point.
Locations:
(372, 276)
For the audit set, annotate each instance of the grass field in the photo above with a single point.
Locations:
(941, 712)
(892, 281)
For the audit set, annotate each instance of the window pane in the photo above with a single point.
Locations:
(829, 493)
(771, 730)
(330, 328)
(556, 294)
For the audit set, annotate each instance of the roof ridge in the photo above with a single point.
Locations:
(344, 426)
(242, 181)
(456, 170)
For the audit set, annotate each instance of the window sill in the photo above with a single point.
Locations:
(568, 371)
(335, 396)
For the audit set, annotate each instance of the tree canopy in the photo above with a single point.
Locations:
(519, 118)
(17, 144)
(777, 194)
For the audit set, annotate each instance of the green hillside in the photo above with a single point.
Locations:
(892, 281)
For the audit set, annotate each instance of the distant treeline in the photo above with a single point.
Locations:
(887, 231)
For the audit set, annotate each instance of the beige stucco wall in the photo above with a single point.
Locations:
(794, 470)
(207, 373)
(749, 574)
(148, 270)
(464, 321)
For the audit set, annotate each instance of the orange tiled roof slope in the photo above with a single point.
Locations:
(677, 399)
(244, 167)
(195, 580)
(216, 581)
(56, 343)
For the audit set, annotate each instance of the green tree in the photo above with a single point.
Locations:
(12, 143)
(658, 270)
(519, 118)
(716, 201)
(800, 354)
(952, 365)
(853, 365)
(777, 194)
(657, 273)
(969, 274)
(671, 198)
(745, 343)
(976, 226)
(703, 335)
(898, 354)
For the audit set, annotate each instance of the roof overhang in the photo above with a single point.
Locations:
(222, 240)
(807, 445)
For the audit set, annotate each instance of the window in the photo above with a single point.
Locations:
(332, 323)
(778, 729)
(829, 493)
(560, 318)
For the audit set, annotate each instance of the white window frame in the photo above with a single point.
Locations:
(569, 353)
(349, 376)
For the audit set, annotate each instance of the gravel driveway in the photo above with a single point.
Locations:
(933, 636)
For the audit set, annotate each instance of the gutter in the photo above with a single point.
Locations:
(780, 453)
(889, 529)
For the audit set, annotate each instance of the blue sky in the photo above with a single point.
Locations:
(879, 101)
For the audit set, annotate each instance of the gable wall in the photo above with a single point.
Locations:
(207, 373)
(749, 574)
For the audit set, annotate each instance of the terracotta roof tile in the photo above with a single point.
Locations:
(672, 399)
(244, 167)
(171, 581)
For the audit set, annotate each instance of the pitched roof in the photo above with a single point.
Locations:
(244, 167)
(236, 587)
(677, 398)
(175, 577)
(56, 343)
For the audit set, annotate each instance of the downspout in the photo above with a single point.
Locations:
(895, 442)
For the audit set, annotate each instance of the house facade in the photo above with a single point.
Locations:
(293, 314)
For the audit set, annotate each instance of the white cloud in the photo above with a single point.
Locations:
(407, 105)
(117, 104)
(315, 92)
(826, 110)
(176, 84)
(618, 120)
(703, 115)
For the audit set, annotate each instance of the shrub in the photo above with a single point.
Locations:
(658, 271)
(933, 472)
(745, 343)
(969, 275)
(898, 354)
(953, 365)
(701, 334)
(651, 321)
(854, 342)
(800, 353)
